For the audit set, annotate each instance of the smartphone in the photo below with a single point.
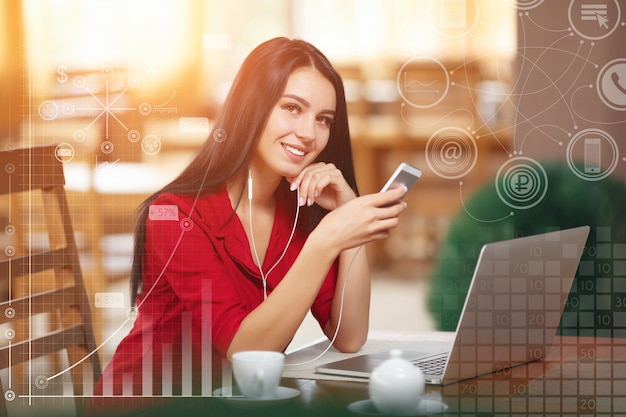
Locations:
(592, 155)
(405, 174)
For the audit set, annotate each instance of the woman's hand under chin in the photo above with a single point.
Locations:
(322, 184)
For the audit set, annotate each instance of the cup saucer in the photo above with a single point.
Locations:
(425, 407)
(234, 396)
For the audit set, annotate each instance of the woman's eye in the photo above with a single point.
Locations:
(292, 108)
(325, 120)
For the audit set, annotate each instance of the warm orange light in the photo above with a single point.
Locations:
(149, 39)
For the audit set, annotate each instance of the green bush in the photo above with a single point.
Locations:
(569, 202)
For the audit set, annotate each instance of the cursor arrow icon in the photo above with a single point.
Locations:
(602, 21)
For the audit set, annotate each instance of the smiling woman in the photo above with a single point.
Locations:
(230, 274)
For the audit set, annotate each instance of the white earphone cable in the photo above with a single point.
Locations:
(343, 291)
(256, 254)
(264, 275)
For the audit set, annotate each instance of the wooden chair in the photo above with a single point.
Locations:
(44, 285)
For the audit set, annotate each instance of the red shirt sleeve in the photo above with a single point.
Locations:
(183, 257)
(323, 302)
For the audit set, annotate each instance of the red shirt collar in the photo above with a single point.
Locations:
(217, 213)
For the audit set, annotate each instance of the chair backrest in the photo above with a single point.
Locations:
(45, 310)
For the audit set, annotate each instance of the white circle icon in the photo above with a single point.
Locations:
(451, 152)
(597, 153)
(521, 183)
(525, 4)
(454, 18)
(419, 88)
(611, 84)
(48, 110)
(593, 19)
(151, 145)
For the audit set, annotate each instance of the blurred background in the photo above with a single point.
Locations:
(470, 91)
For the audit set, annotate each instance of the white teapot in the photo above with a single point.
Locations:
(396, 386)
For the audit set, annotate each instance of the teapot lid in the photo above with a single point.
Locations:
(395, 353)
(397, 364)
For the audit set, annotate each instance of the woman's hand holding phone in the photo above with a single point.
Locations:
(353, 221)
(362, 220)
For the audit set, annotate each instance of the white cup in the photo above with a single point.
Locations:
(258, 372)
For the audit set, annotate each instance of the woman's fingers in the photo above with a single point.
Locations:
(316, 180)
(365, 219)
(323, 184)
(389, 197)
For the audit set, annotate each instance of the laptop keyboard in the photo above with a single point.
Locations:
(433, 365)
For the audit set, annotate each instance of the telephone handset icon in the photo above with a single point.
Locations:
(616, 81)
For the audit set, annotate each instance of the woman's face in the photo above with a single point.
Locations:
(299, 125)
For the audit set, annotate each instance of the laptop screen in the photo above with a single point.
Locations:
(515, 302)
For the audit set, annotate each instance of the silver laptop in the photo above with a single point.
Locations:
(510, 316)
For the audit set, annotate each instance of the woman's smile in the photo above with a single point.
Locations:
(294, 152)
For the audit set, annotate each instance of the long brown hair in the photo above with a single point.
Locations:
(226, 153)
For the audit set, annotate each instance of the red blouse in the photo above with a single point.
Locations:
(199, 283)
